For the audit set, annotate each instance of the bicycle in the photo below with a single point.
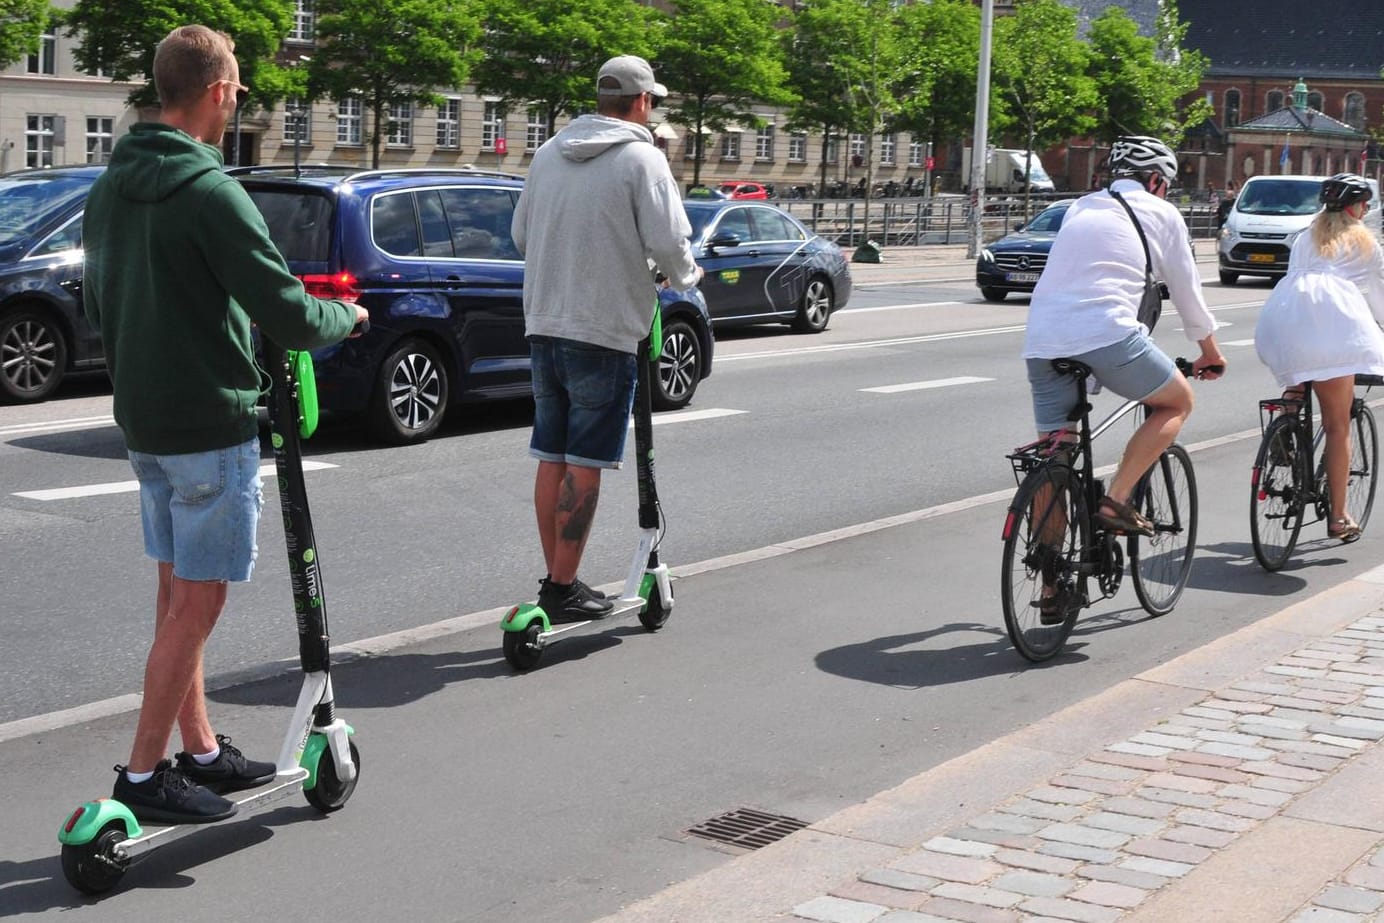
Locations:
(1054, 548)
(1286, 483)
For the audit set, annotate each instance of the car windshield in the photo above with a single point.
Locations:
(1048, 220)
(1280, 197)
(700, 218)
(30, 201)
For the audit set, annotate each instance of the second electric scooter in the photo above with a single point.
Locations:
(101, 839)
(648, 588)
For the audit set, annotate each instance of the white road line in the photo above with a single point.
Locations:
(868, 344)
(1249, 342)
(20, 429)
(267, 473)
(924, 385)
(687, 416)
(902, 307)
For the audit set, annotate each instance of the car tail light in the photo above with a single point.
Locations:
(339, 286)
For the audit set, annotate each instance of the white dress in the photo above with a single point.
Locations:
(1322, 320)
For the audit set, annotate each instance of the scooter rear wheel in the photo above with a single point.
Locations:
(521, 647)
(93, 867)
(330, 793)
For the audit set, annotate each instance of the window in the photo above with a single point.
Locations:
(735, 221)
(797, 147)
(857, 147)
(764, 143)
(297, 121)
(46, 60)
(888, 144)
(770, 224)
(394, 225)
(535, 130)
(100, 137)
(831, 149)
(1232, 108)
(304, 26)
(915, 153)
(492, 125)
(730, 145)
(1315, 100)
(348, 120)
(1274, 101)
(400, 125)
(39, 134)
(1355, 111)
(479, 219)
(449, 123)
(66, 239)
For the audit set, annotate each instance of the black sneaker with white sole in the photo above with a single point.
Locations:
(572, 602)
(229, 772)
(170, 797)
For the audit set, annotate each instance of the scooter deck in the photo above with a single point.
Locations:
(624, 606)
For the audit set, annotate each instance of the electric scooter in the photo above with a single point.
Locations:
(648, 588)
(101, 839)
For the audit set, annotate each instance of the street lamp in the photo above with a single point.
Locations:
(295, 115)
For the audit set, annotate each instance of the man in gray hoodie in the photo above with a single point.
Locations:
(598, 206)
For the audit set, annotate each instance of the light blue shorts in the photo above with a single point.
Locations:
(200, 510)
(1134, 368)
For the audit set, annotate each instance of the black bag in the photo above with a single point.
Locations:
(1151, 304)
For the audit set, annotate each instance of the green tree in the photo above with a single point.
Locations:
(547, 52)
(391, 52)
(939, 54)
(119, 38)
(1141, 79)
(718, 57)
(21, 24)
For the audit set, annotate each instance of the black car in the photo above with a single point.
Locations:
(43, 333)
(762, 266)
(429, 253)
(1014, 263)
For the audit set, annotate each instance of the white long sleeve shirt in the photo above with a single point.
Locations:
(1089, 293)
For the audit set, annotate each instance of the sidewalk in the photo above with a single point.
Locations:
(1238, 782)
(932, 262)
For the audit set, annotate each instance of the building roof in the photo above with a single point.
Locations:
(1292, 118)
(1143, 12)
(1336, 39)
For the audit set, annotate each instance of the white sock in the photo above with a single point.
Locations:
(206, 759)
(138, 777)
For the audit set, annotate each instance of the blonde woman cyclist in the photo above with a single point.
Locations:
(1322, 324)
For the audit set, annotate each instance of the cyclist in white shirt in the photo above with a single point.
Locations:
(1086, 307)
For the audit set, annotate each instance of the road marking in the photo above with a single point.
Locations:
(1249, 342)
(902, 307)
(687, 416)
(869, 344)
(267, 473)
(20, 429)
(924, 385)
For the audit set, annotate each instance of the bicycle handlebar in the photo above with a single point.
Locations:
(1185, 367)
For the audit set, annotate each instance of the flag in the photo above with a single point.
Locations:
(1364, 155)
(1283, 158)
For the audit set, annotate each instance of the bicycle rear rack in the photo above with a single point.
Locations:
(1054, 448)
(1276, 406)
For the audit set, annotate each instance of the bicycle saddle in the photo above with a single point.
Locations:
(1071, 367)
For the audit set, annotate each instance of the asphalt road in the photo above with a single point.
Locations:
(797, 683)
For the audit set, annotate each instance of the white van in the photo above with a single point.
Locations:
(1267, 217)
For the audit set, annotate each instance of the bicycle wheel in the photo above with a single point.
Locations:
(1167, 495)
(1044, 535)
(1277, 489)
(1364, 468)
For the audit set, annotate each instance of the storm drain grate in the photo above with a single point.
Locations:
(747, 828)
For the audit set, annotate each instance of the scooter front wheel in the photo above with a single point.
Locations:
(655, 613)
(521, 647)
(330, 793)
(93, 867)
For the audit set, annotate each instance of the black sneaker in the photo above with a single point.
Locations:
(170, 798)
(579, 584)
(229, 772)
(572, 602)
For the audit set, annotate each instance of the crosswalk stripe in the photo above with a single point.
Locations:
(924, 385)
(267, 473)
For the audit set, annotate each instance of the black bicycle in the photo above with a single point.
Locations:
(1288, 481)
(1054, 548)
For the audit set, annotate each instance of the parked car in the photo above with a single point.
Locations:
(428, 252)
(43, 333)
(739, 190)
(763, 266)
(1014, 262)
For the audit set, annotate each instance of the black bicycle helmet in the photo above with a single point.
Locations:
(1344, 189)
(1135, 155)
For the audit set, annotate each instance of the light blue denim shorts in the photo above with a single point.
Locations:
(582, 395)
(200, 510)
(1134, 368)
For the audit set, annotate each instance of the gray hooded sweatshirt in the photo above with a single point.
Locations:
(599, 204)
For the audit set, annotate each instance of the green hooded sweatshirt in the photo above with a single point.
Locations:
(178, 265)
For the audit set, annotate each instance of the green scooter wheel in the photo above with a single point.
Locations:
(521, 647)
(655, 613)
(93, 867)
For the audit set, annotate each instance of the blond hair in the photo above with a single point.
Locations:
(1337, 235)
(189, 59)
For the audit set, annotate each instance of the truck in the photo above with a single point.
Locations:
(1004, 170)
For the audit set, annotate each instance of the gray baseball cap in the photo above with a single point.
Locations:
(633, 74)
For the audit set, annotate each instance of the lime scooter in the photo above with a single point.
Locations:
(101, 839)
(648, 588)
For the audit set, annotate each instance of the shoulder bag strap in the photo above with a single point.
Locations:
(1148, 260)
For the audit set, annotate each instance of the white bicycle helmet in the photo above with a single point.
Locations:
(1140, 154)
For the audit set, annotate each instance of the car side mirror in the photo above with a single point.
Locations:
(725, 239)
(1018, 225)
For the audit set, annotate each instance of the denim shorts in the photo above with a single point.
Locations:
(582, 395)
(200, 510)
(1134, 368)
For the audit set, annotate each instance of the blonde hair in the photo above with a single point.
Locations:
(1337, 235)
(187, 60)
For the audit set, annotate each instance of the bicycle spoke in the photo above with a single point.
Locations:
(1277, 495)
(1044, 536)
(1161, 564)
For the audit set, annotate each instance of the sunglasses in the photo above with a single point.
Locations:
(242, 92)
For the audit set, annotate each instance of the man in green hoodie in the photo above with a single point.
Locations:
(179, 264)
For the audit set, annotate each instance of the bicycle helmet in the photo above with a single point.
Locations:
(1135, 155)
(1343, 189)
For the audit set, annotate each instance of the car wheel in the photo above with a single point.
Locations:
(992, 294)
(815, 310)
(33, 356)
(679, 369)
(1229, 278)
(411, 392)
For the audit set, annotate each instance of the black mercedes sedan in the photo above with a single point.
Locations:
(1014, 263)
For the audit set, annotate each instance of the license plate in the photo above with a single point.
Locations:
(1261, 257)
(1021, 277)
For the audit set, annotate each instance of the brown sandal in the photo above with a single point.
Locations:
(1344, 529)
(1126, 519)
